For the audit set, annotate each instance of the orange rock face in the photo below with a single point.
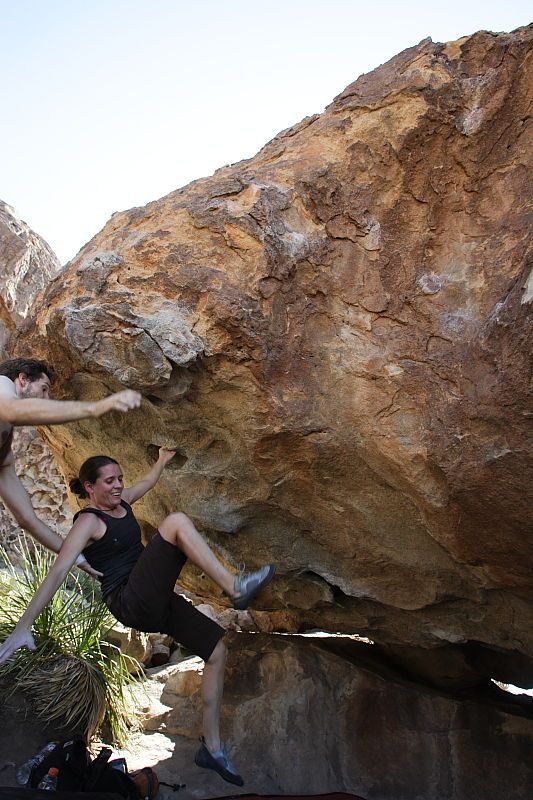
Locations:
(334, 336)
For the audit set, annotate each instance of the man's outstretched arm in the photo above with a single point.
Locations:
(17, 500)
(37, 411)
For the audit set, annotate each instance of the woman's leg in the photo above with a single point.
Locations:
(179, 530)
(212, 688)
(203, 636)
(212, 754)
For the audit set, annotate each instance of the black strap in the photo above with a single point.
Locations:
(174, 786)
(148, 771)
(95, 511)
(97, 767)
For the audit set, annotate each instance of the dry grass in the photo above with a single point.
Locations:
(69, 691)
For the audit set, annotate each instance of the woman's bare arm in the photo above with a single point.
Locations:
(148, 481)
(85, 527)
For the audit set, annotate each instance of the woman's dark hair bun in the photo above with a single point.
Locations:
(76, 487)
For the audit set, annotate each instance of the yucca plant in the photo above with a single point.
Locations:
(75, 678)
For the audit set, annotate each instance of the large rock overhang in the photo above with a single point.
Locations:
(334, 334)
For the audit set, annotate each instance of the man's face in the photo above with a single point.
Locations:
(40, 387)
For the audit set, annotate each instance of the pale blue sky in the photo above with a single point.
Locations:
(108, 104)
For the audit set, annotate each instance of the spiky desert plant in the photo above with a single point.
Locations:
(74, 677)
(67, 689)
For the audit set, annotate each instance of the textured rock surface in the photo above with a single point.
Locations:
(45, 485)
(27, 264)
(334, 335)
(301, 720)
(132, 643)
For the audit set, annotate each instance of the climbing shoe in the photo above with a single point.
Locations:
(219, 762)
(249, 584)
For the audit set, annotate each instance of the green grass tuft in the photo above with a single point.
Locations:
(75, 678)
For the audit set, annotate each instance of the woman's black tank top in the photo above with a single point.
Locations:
(117, 552)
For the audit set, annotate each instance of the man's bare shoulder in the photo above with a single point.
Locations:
(7, 394)
(7, 388)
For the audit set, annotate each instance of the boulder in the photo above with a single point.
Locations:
(299, 719)
(135, 644)
(27, 264)
(334, 336)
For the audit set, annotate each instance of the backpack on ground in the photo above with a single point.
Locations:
(77, 772)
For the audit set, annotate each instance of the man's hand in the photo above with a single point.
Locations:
(19, 638)
(121, 401)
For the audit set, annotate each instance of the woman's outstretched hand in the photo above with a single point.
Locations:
(148, 481)
(166, 455)
(18, 639)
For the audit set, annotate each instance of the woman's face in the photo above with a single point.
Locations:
(106, 491)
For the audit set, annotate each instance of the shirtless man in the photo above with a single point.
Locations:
(24, 390)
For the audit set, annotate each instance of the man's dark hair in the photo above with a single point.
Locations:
(31, 367)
